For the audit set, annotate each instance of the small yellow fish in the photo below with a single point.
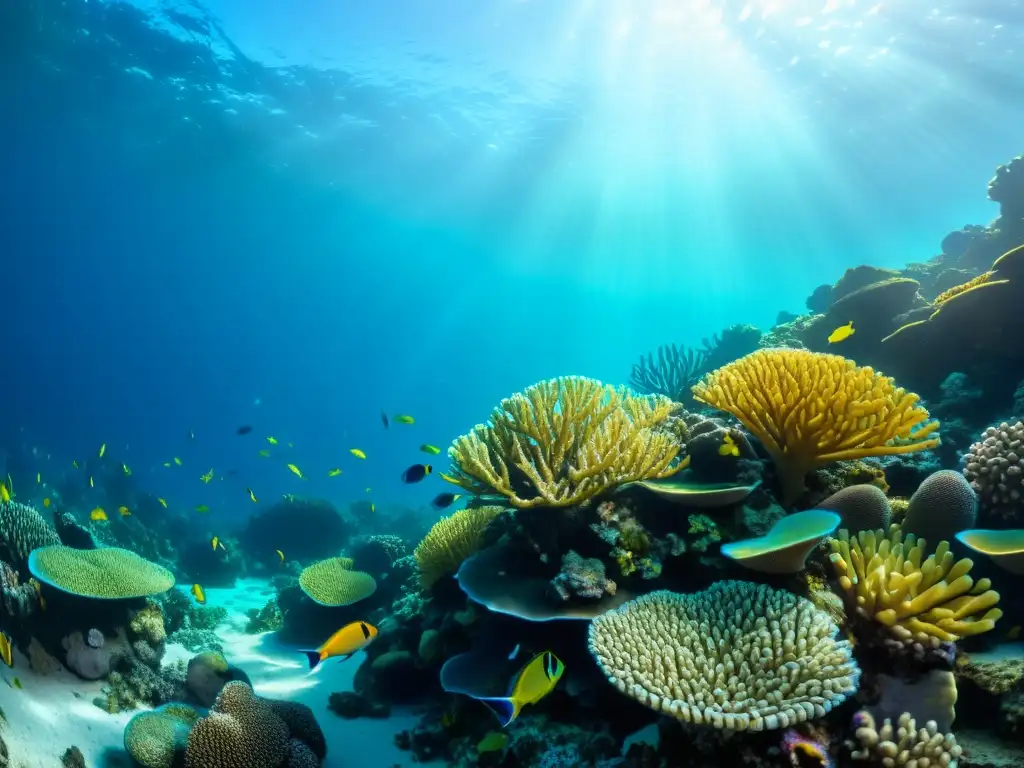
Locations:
(531, 684)
(207, 477)
(199, 594)
(343, 643)
(98, 514)
(124, 511)
(216, 543)
(16, 683)
(841, 333)
(359, 454)
(46, 502)
(126, 469)
(334, 472)
(1014, 633)
(91, 483)
(728, 446)
(265, 453)
(404, 419)
(74, 464)
(280, 554)
(163, 503)
(252, 495)
(295, 470)
(373, 507)
(177, 461)
(5, 495)
(202, 508)
(103, 450)
(433, 450)
(39, 477)
(272, 440)
(6, 649)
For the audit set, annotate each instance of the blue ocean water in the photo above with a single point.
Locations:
(294, 215)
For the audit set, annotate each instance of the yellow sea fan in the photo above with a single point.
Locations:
(809, 409)
(565, 440)
(450, 541)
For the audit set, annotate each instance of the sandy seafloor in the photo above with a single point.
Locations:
(51, 712)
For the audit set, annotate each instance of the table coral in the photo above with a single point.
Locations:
(809, 409)
(738, 656)
(929, 601)
(563, 441)
(109, 573)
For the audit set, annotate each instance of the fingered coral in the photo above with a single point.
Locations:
(887, 579)
(809, 409)
(903, 744)
(332, 582)
(738, 656)
(563, 441)
(450, 541)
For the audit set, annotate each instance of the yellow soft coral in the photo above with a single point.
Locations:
(563, 441)
(810, 409)
(927, 601)
(450, 541)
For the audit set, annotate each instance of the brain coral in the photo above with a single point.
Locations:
(944, 505)
(450, 541)
(994, 468)
(157, 739)
(739, 656)
(301, 724)
(863, 507)
(241, 731)
(22, 529)
(109, 573)
(331, 582)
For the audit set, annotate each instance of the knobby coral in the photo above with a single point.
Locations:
(810, 409)
(739, 656)
(450, 541)
(903, 744)
(995, 469)
(565, 440)
(928, 601)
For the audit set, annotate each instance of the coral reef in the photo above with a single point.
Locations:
(157, 739)
(450, 541)
(22, 529)
(286, 526)
(582, 577)
(994, 469)
(675, 370)
(941, 507)
(904, 744)
(862, 508)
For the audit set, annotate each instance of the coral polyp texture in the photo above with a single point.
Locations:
(904, 744)
(932, 600)
(332, 582)
(809, 409)
(941, 507)
(738, 656)
(450, 541)
(562, 441)
(108, 573)
(862, 507)
(22, 529)
(241, 729)
(995, 470)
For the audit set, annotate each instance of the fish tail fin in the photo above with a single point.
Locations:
(314, 657)
(505, 708)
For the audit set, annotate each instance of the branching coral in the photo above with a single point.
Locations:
(450, 541)
(671, 374)
(562, 441)
(927, 601)
(809, 409)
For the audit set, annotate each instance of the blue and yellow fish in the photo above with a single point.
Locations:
(343, 643)
(531, 684)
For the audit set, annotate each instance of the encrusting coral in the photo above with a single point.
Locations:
(450, 541)
(903, 744)
(809, 409)
(738, 656)
(927, 601)
(562, 441)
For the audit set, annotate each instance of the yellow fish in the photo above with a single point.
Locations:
(39, 477)
(272, 440)
(373, 507)
(216, 543)
(127, 471)
(728, 446)
(103, 450)
(357, 453)
(252, 495)
(74, 464)
(334, 472)
(91, 483)
(124, 511)
(6, 649)
(46, 502)
(531, 684)
(177, 461)
(199, 594)
(98, 514)
(202, 508)
(841, 333)
(163, 503)
(280, 554)
(404, 419)
(433, 450)
(348, 640)
(208, 476)
(5, 495)
(296, 471)
(265, 453)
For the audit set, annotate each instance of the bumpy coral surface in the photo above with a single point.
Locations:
(330, 582)
(450, 541)
(241, 731)
(942, 506)
(157, 739)
(22, 529)
(563, 441)
(994, 468)
(810, 409)
(109, 573)
(904, 744)
(739, 656)
(928, 601)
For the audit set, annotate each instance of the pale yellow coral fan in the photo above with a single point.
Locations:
(929, 601)
(565, 440)
(450, 541)
(809, 409)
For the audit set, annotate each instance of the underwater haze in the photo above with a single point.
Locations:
(265, 261)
